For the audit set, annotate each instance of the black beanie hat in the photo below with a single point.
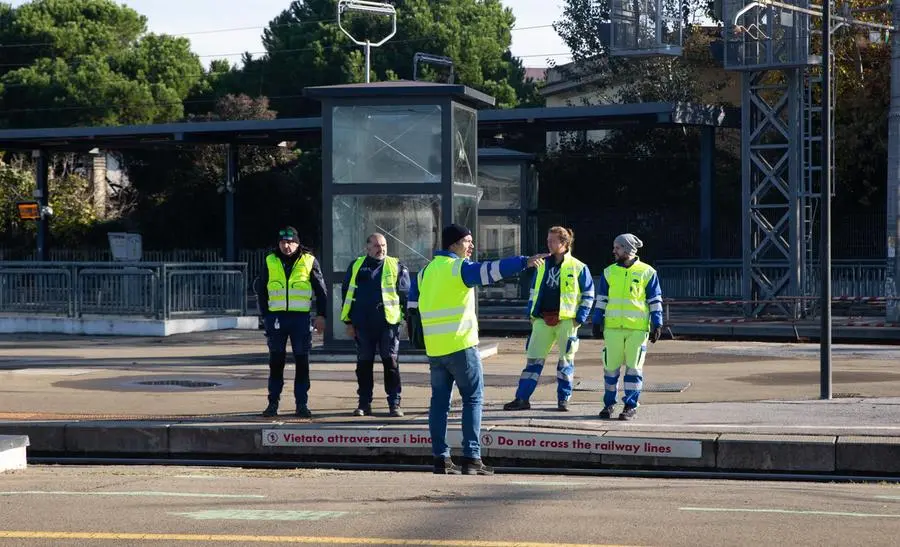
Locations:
(453, 233)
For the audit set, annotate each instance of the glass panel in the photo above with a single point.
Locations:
(464, 211)
(383, 144)
(532, 185)
(500, 237)
(411, 225)
(465, 145)
(532, 245)
(501, 185)
(338, 330)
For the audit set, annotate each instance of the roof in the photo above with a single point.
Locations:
(272, 132)
(608, 116)
(402, 88)
(503, 154)
(538, 74)
(263, 132)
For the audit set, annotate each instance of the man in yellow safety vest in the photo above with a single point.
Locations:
(444, 298)
(284, 290)
(374, 294)
(628, 313)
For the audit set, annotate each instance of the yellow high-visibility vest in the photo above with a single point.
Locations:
(569, 287)
(447, 308)
(293, 293)
(627, 307)
(389, 296)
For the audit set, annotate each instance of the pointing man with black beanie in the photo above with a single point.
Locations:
(444, 298)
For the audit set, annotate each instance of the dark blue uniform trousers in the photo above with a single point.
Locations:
(387, 341)
(293, 325)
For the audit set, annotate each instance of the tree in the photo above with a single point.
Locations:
(638, 79)
(80, 62)
(70, 199)
(305, 47)
(178, 192)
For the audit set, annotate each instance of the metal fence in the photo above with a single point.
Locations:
(145, 289)
(723, 279)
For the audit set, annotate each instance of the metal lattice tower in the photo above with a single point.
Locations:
(781, 150)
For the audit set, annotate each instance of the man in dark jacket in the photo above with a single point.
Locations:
(284, 294)
(374, 294)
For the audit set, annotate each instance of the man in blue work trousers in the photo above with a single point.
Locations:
(284, 294)
(374, 294)
(444, 298)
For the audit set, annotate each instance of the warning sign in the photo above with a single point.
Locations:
(592, 444)
(28, 210)
(493, 439)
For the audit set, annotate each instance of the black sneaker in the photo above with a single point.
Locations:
(445, 466)
(472, 466)
(271, 411)
(606, 413)
(517, 404)
(396, 412)
(363, 411)
(629, 413)
(562, 406)
(303, 412)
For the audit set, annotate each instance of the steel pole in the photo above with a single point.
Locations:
(825, 237)
(368, 60)
(893, 175)
(42, 175)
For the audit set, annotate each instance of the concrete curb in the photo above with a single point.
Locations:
(12, 452)
(515, 446)
(119, 326)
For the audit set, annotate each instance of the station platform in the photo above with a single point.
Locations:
(715, 406)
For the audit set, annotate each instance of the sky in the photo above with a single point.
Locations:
(227, 28)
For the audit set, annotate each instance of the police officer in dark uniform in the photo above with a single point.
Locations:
(285, 289)
(374, 292)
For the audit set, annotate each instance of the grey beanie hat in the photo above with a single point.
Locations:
(629, 242)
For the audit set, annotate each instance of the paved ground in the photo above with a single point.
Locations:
(136, 506)
(52, 377)
(721, 406)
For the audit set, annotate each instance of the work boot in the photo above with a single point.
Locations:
(396, 412)
(445, 466)
(363, 410)
(517, 404)
(271, 411)
(303, 412)
(606, 413)
(629, 413)
(474, 466)
(562, 406)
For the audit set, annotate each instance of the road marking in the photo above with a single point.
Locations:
(887, 497)
(787, 512)
(149, 494)
(254, 514)
(548, 483)
(288, 539)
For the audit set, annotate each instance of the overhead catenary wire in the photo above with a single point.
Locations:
(231, 29)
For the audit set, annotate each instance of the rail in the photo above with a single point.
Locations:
(144, 289)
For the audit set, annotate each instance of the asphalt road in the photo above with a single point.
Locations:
(140, 506)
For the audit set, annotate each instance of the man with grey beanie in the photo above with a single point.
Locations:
(628, 313)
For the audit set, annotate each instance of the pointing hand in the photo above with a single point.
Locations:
(534, 260)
